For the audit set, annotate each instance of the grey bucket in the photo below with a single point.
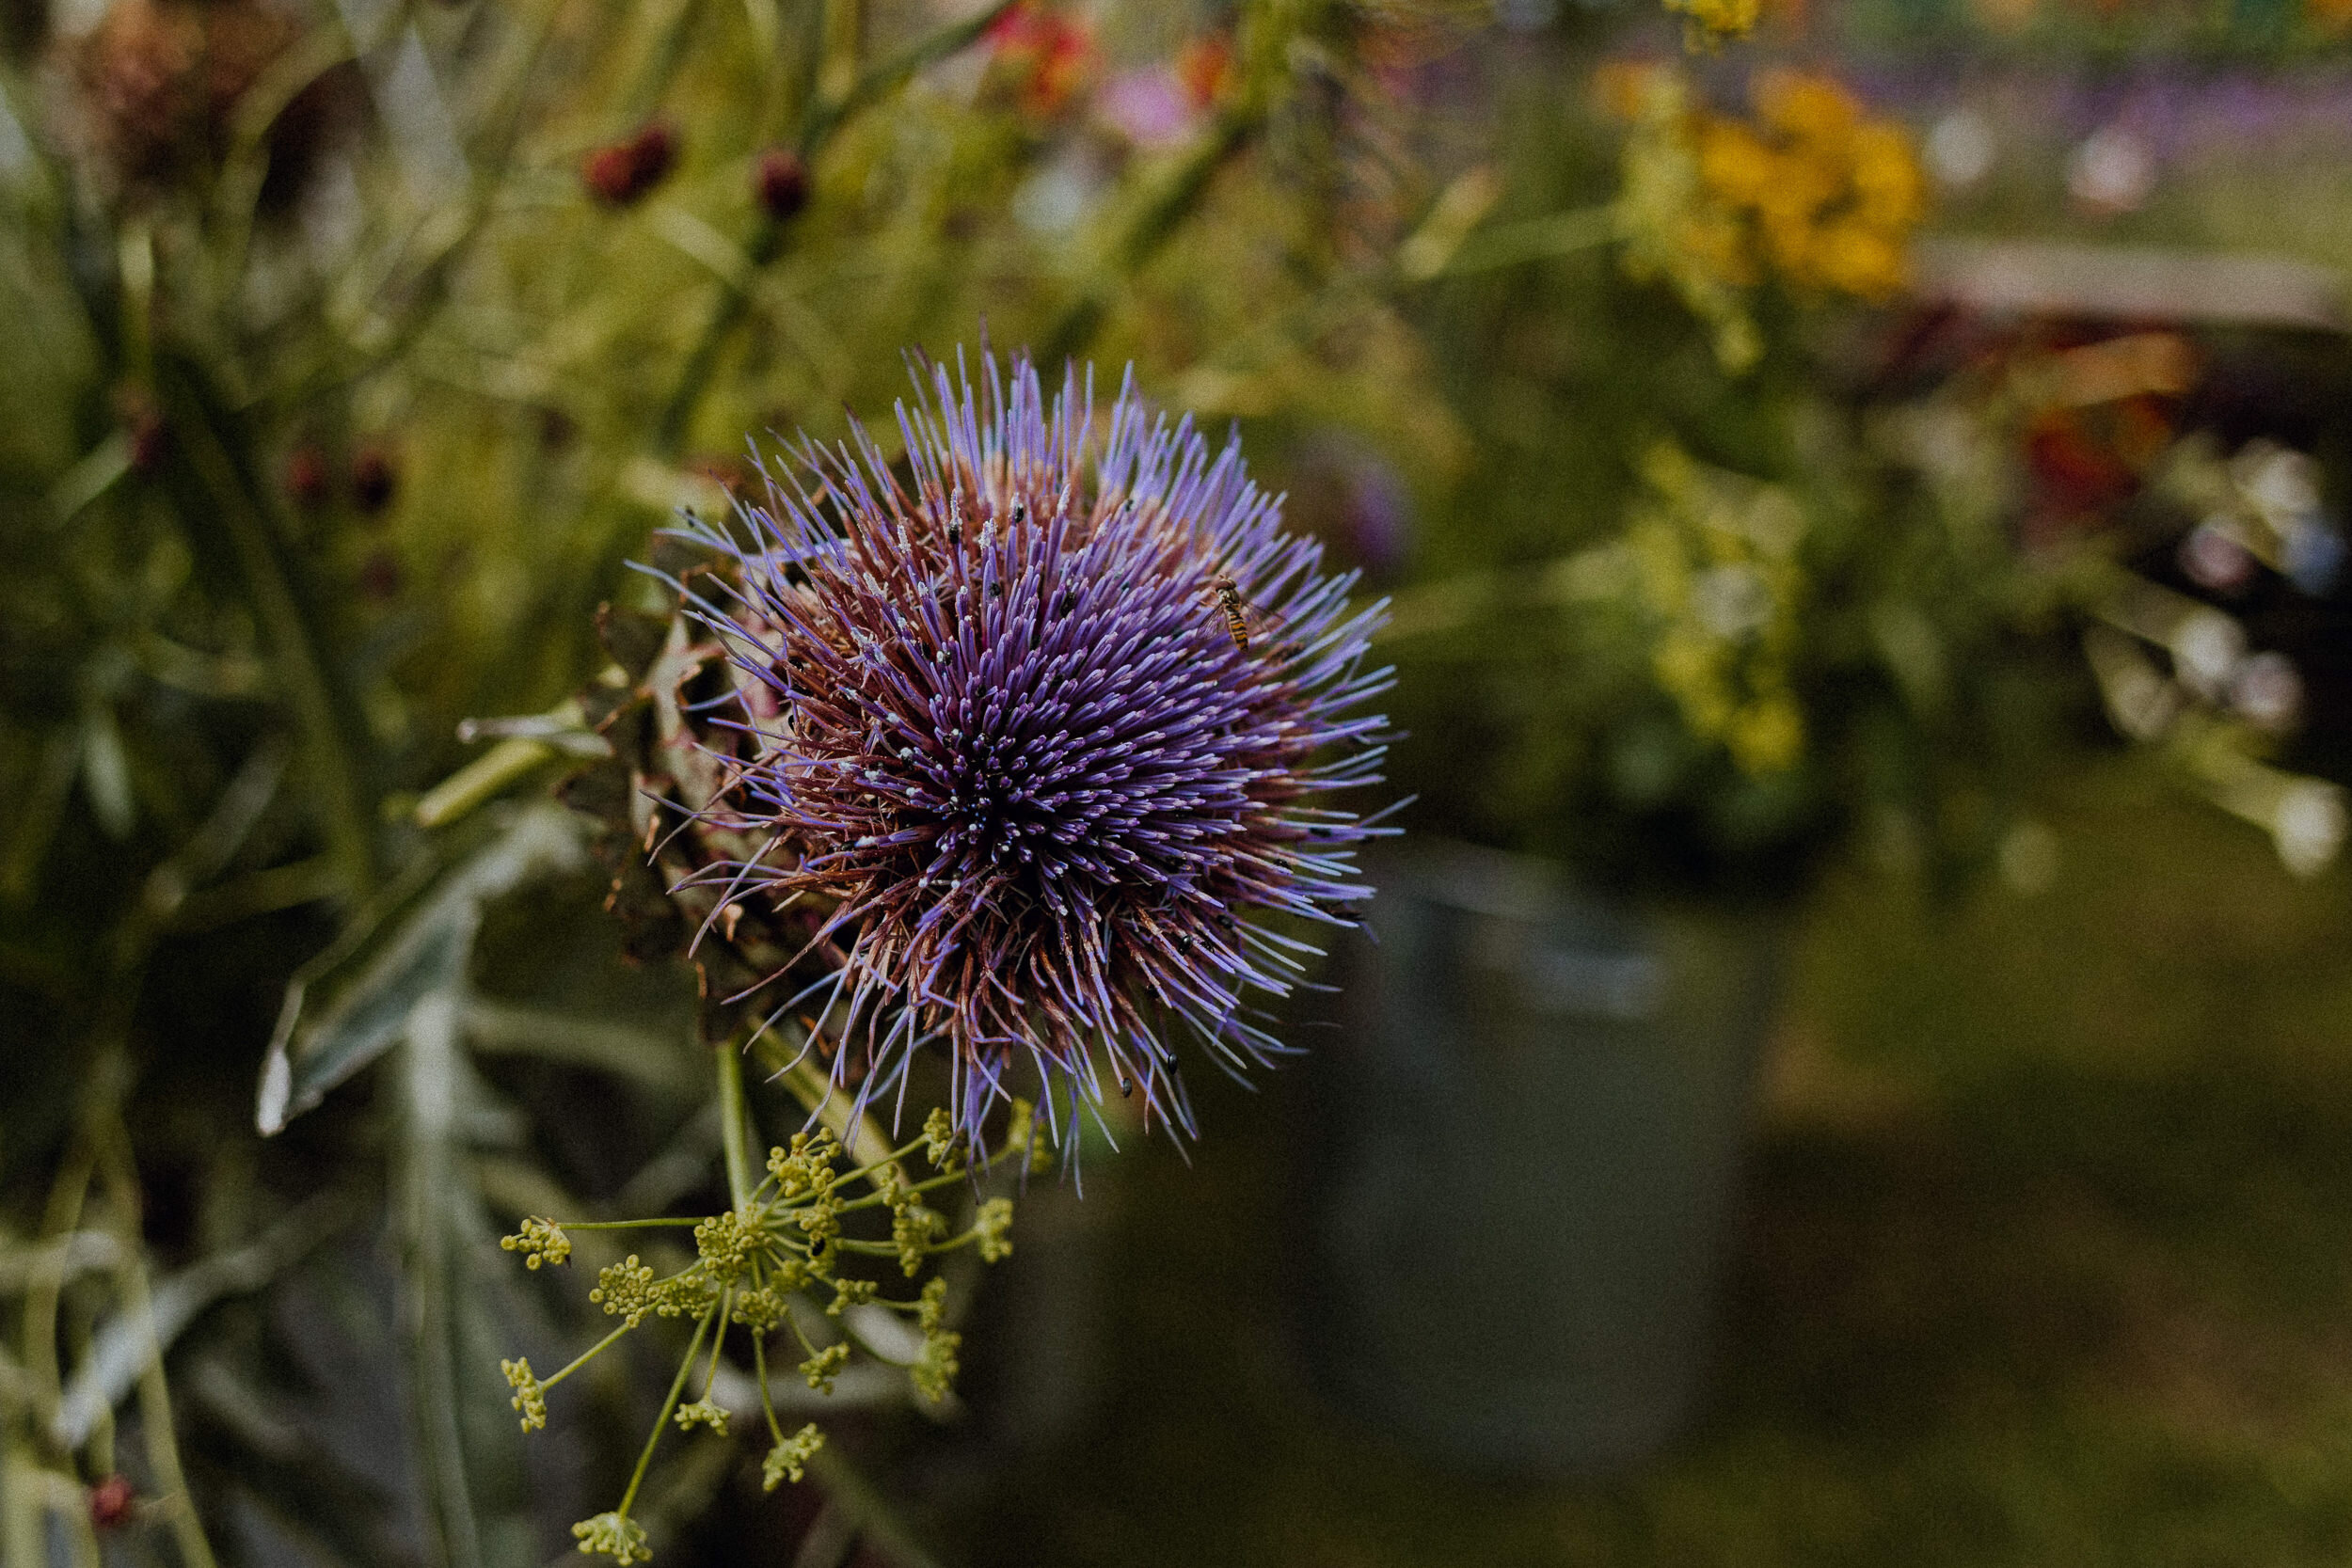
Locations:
(1533, 1121)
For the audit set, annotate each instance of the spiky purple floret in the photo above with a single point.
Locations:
(998, 722)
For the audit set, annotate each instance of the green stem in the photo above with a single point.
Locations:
(826, 116)
(825, 119)
(926, 1185)
(1150, 229)
(661, 65)
(759, 1365)
(163, 1445)
(971, 1235)
(584, 1357)
(488, 774)
(677, 1386)
(718, 1342)
(1506, 245)
(45, 1287)
(733, 1120)
(734, 301)
(321, 712)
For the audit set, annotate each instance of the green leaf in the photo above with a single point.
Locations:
(355, 1000)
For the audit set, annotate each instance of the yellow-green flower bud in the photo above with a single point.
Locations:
(822, 1368)
(531, 1400)
(995, 1225)
(786, 1460)
(702, 1413)
(614, 1535)
(539, 1242)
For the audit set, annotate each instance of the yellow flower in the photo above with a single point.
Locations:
(1811, 188)
(1859, 259)
(1807, 108)
(1735, 164)
(1713, 557)
(1889, 192)
(1712, 20)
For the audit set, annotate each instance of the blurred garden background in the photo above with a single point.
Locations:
(1853, 1059)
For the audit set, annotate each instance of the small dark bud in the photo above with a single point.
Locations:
(655, 152)
(110, 1502)
(781, 183)
(374, 478)
(307, 478)
(622, 173)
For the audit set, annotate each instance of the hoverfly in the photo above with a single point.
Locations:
(1241, 620)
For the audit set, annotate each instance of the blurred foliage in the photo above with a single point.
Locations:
(356, 350)
(1738, 586)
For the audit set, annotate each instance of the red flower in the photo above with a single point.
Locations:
(1047, 54)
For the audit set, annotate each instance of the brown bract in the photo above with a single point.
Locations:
(655, 705)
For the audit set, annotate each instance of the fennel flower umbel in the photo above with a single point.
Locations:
(1039, 724)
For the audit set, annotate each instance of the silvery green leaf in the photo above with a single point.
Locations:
(355, 1001)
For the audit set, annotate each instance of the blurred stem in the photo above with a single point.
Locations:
(1537, 239)
(422, 295)
(1150, 229)
(103, 1146)
(47, 1285)
(734, 1120)
(662, 64)
(321, 712)
(486, 776)
(113, 1141)
(429, 1068)
(884, 1531)
(828, 112)
(677, 1386)
(836, 67)
(694, 380)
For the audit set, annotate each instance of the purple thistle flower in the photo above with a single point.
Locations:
(1004, 735)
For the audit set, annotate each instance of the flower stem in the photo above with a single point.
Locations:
(121, 1172)
(677, 1386)
(767, 1403)
(734, 1120)
(718, 1342)
(584, 1357)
